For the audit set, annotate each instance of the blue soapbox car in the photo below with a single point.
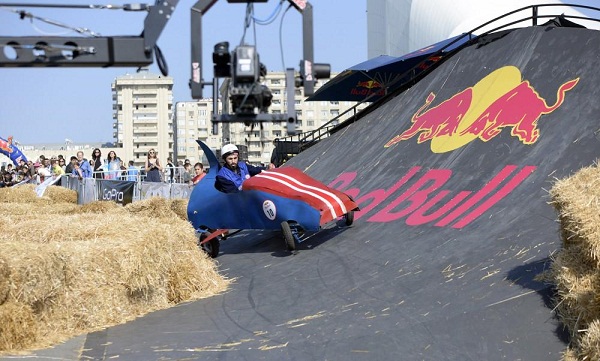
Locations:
(283, 198)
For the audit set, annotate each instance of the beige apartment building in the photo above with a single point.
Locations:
(146, 117)
(143, 113)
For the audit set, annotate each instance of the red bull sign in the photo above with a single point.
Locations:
(500, 100)
(368, 87)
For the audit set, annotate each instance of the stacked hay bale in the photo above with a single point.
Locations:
(67, 269)
(576, 267)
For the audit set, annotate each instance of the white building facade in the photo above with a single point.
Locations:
(398, 27)
(143, 113)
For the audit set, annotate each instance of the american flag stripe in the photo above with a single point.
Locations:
(304, 184)
(327, 203)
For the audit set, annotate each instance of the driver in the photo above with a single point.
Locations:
(234, 172)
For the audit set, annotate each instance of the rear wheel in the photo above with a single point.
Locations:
(288, 236)
(349, 218)
(211, 247)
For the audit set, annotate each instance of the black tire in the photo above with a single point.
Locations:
(211, 247)
(349, 218)
(288, 236)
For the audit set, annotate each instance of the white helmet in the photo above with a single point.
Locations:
(228, 149)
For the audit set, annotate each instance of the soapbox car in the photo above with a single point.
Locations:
(283, 198)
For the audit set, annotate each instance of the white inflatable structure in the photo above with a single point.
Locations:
(397, 27)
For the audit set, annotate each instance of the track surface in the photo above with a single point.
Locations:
(440, 262)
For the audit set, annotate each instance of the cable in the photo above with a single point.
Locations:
(126, 7)
(160, 61)
(281, 36)
(271, 17)
(27, 15)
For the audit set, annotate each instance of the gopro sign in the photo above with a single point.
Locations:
(112, 195)
(120, 192)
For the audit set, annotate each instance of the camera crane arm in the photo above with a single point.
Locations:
(110, 51)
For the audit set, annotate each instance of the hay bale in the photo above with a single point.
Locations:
(576, 268)
(99, 207)
(18, 327)
(589, 345)
(75, 269)
(4, 276)
(61, 194)
(22, 194)
(179, 206)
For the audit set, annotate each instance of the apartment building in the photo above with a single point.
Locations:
(142, 109)
(145, 118)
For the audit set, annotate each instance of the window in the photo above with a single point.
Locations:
(310, 123)
(276, 81)
(190, 114)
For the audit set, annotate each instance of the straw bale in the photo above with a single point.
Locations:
(576, 267)
(589, 345)
(73, 269)
(4, 275)
(179, 206)
(99, 207)
(61, 194)
(18, 327)
(22, 194)
(152, 207)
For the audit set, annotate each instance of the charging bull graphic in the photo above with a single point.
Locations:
(500, 100)
(11, 151)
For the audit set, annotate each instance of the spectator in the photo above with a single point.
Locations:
(112, 166)
(187, 175)
(75, 168)
(6, 180)
(132, 172)
(84, 165)
(61, 163)
(199, 173)
(96, 163)
(170, 172)
(153, 167)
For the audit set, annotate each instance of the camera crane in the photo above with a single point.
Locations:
(249, 99)
(241, 66)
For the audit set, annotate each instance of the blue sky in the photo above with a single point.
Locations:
(45, 105)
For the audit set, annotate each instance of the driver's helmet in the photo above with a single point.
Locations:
(228, 149)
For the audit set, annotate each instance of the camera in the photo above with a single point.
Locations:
(248, 97)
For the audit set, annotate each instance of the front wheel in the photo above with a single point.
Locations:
(288, 236)
(211, 247)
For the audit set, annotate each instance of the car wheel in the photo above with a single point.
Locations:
(288, 236)
(349, 218)
(211, 247)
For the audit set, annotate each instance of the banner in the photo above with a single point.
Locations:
(155, 189)
(41, 188)
(11, 151)
(181, 191)
(120, 192)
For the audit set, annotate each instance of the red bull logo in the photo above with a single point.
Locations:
(369, 84)
(369, 87)
(500, 100)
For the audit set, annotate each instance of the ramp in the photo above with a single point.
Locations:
(452, 178)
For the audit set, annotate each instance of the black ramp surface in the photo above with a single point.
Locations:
(455, 225)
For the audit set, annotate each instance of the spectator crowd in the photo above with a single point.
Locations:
(99, 167)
